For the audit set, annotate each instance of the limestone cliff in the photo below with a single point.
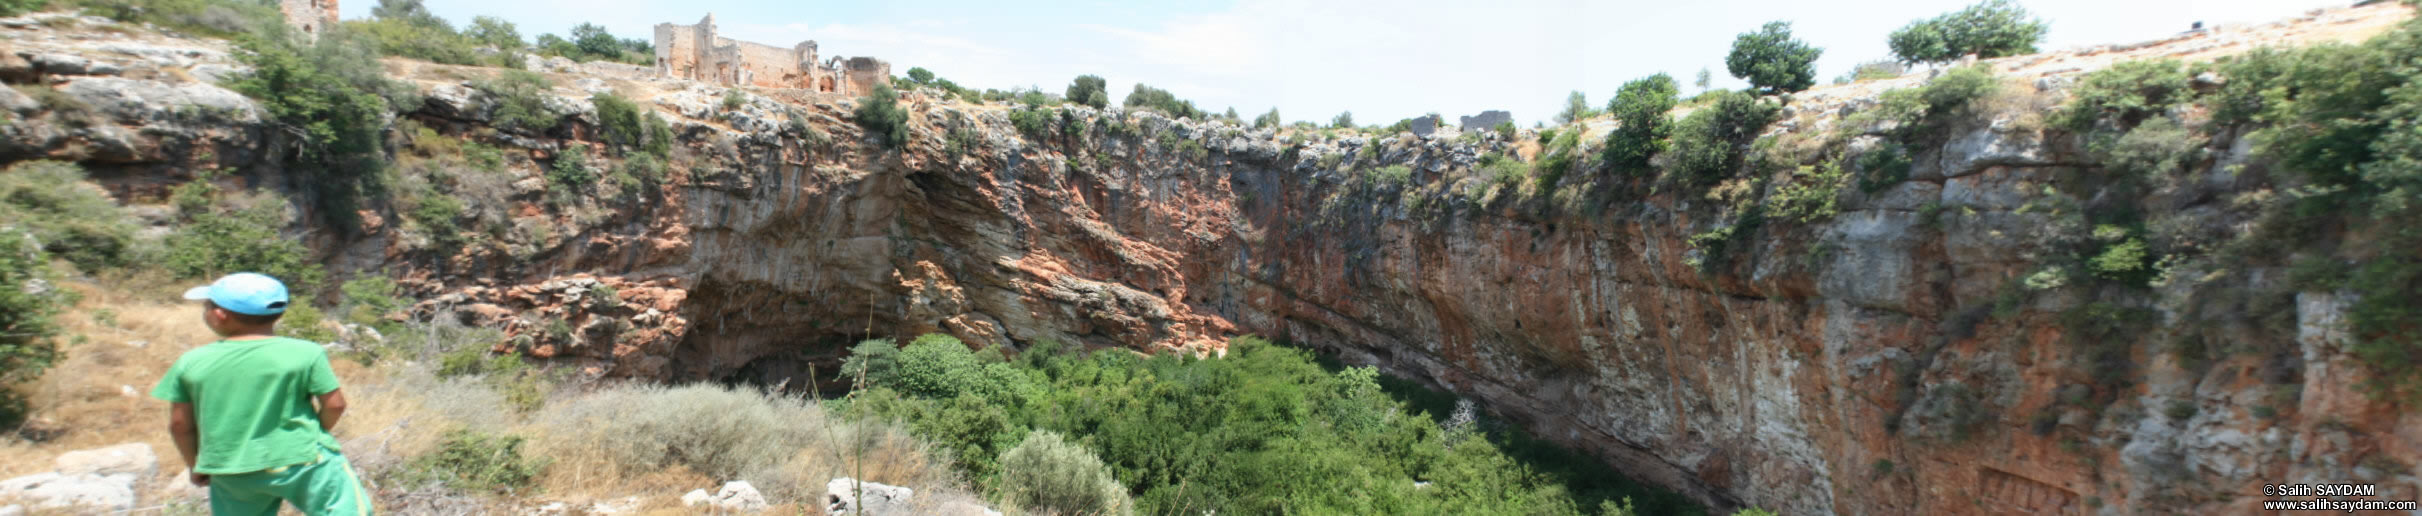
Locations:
(1870, 362)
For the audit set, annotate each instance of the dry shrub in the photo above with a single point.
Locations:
(787, 447)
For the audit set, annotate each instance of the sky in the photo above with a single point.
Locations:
(1383, 60)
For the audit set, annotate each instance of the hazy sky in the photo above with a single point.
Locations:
(1382, 59)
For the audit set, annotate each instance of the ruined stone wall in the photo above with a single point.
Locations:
(310, 16)
(697, 53)
(863, 73)
(767, 66)
(677, 50)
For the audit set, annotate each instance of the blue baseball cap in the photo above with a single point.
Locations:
(247, 293)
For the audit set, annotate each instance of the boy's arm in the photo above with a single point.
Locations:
(186, 432)
(332, 407)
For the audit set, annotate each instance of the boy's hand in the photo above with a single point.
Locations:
(198, 479)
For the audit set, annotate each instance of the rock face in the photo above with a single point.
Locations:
(1871, 362)
(96, 479)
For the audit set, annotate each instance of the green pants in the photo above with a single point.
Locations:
(323, 487)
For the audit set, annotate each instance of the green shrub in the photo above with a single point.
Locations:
(1772, 61)
(1089, 90)
(571, 172)
(436, 43)
(1048, 474)
(2125, 94)
(1035, 123)
(1561, 155)
(73, 219)
(521, 101)
(1156, 99)
(2156, 147)
(496, 32)
(439, 213)
(1990, 29)
(618, 120)
(1883, 167)
(241, 240)
(1709, 144)
(1958, 87)
(370, 299)
(1642, 122)
(659, 139)
(472, 460)
(17, 7)
(2122, 257)
(879, 112)
(1343, 120)
(1812, 193)
(332, 94)
(27, 304)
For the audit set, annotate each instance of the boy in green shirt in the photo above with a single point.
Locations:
(242, 414)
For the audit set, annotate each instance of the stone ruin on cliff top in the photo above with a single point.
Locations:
(695, 52)
(309, 16)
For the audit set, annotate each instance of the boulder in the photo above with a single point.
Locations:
(841, 497)
(85, 491)
(736, 495)
(131, 458)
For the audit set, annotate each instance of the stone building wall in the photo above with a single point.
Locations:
(697, 53)
(310, 16)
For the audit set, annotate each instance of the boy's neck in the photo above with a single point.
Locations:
(246, 336)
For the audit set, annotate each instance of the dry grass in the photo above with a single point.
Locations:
(116, 344)
(606, 444)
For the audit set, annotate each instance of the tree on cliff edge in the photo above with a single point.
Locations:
(1994, 28)
(1089, 90)
(880, 113)
(1772, 61)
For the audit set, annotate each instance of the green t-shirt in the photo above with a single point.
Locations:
(252, 400)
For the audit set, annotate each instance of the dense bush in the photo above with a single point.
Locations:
(1045, 472)
(2125, 94)
(1772, 61)
(1642, 122)
(1882, 167)
(2156, 147)
(1033, 122)
(1993, 28)
(1268, 120)
(1263, 429)
(241, 239)
(572, 172)
(1709, 144)
(333, 94)
(521, 101)
(473, 460)
(1343, 120)
(496, 33)
(1812, 193)
(1089, 90)
(590, 42)
(1156, 99)
(618, 120)
(1957, 88)
(73, 219)
(27, 303)
(404, 28)
(879, 112)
